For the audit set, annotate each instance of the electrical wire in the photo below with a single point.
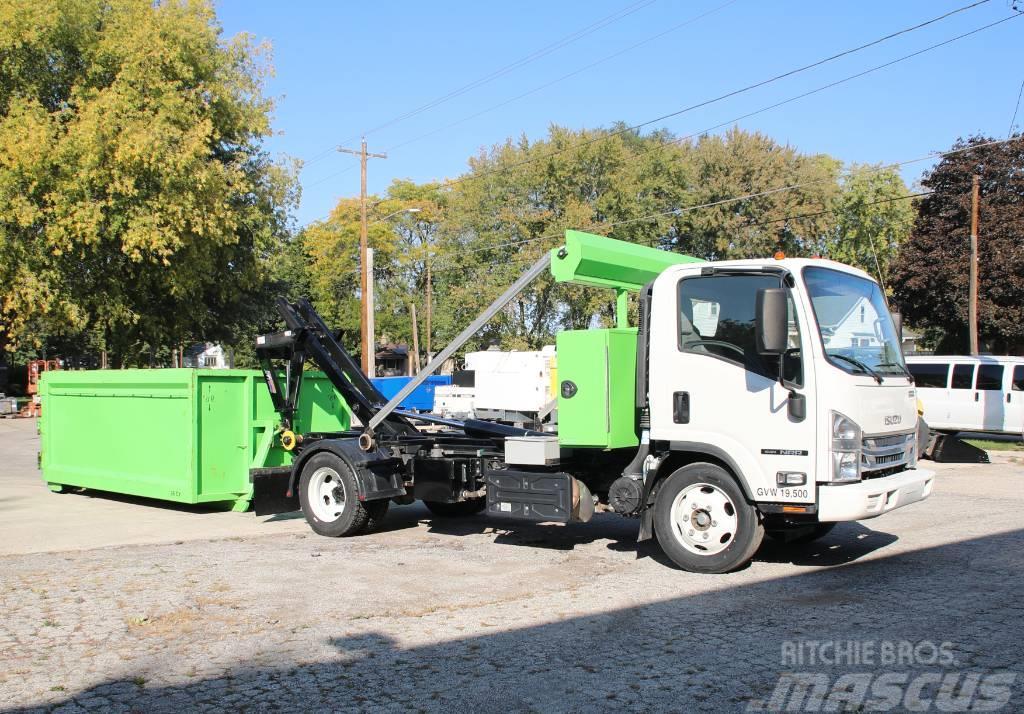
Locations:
(564, 77)
(776, 105)
(747, 88)
(1013, 119)
(542, 87)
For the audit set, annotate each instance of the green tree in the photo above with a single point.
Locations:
(931, 274)
(872, 220)
(137, 204)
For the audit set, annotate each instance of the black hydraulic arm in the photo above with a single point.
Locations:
(307, 337)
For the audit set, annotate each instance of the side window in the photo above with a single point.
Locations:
(931, 374)
(1018, 378)
(716, 317)
(990, 376)
(963, 376)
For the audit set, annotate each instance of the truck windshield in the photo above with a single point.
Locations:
(856, 329)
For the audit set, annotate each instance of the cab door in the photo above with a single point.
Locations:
(710, 389)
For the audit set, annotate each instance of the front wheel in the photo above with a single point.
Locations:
(703, 522)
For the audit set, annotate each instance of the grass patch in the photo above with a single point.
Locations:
(989, 445)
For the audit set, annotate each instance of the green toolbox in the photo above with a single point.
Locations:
(183, 435)
(597, 388)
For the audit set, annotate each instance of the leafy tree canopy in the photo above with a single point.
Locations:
(931, 274)
(137, 206)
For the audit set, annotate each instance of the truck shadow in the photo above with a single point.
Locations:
(721, 645)
(845, 544)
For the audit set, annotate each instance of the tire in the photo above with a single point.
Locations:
(462, 509)
(328, 496)
(732, 526)
(802, 534)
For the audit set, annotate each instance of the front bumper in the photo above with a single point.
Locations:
(867, 499)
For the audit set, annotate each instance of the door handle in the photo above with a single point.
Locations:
(1007, 397)
(975, 396)
(681, 407)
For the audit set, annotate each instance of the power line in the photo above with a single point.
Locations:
(742, 90)
(776, 105)
(679, 140)
(542, 52)
(564, 77)
(1013, 119)
(539, 88)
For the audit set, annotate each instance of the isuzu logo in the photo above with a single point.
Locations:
(893, 420)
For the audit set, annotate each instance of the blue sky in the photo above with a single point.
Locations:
(344, 68)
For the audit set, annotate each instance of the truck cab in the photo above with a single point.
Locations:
(827, 422)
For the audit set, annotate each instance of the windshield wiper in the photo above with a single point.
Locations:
(857, 363)
(903, 369)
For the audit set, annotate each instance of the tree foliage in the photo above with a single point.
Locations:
(931, 274)
(137, 206)
(484, 228)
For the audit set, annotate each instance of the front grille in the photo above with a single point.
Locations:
(886, 451)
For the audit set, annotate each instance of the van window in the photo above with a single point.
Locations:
(990, 376)
(1018, 378)
(931, 374)
(963, 376)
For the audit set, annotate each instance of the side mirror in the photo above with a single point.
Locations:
(897, 321)
(771, 321)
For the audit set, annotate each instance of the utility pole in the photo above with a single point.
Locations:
(366, 327)
(369, 314)
(972, 307)
(430, 293)
(414, 363)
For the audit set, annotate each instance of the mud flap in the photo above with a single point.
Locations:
(270, 492)
(646, 525)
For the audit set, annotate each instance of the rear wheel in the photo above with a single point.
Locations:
(329, 497)
(703, 522)
(461, 509)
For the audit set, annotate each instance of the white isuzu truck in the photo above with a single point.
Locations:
(752, 397)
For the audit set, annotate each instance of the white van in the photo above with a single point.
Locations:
(984, 394)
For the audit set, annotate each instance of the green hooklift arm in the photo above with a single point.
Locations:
(600, 262)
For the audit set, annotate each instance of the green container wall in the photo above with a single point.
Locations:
(602, 365)
(181, 435)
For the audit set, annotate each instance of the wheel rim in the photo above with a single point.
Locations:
(704, 519)
(326, 494)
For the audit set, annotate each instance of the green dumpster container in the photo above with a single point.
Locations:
(183, 435)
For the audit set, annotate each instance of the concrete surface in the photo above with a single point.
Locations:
(477, 615)
(35, 520)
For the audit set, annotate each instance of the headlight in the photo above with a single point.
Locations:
(845, 433)
(846, 448)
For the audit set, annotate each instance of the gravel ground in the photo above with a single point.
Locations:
(476, 615)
